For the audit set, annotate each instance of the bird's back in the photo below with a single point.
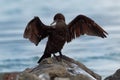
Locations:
(57, 38)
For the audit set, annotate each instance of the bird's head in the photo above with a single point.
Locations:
(58, 17)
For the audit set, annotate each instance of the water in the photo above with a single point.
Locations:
(100, 55)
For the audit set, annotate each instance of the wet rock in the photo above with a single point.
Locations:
(115, 76)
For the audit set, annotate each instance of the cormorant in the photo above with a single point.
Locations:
(60, 33)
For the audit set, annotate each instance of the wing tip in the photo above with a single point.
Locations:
(104, 35)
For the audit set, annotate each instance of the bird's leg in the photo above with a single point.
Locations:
(45, 55)
(60, 54)
(55, 57)
(58, 58)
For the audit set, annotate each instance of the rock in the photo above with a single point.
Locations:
(115, 76)
(67, 69)
(58, 78)
(44, 76)
(27, 76)
(10, 76)
(51, 69)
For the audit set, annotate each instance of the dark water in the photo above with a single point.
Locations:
(100, 55)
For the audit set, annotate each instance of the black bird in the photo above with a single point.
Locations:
(60, 33)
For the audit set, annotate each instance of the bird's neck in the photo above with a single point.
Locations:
(60, 21)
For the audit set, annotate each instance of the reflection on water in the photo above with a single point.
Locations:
(101, 55)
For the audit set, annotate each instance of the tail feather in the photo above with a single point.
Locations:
(44, 56)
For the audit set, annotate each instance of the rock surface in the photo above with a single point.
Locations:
(51, 69)
(115, 76)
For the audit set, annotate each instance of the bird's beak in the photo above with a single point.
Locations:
(53, 23)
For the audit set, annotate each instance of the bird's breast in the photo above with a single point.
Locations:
(60, 25)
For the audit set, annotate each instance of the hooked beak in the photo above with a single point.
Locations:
(52, 23)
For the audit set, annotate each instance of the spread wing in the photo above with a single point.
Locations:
(83, 25)
(35, 30)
